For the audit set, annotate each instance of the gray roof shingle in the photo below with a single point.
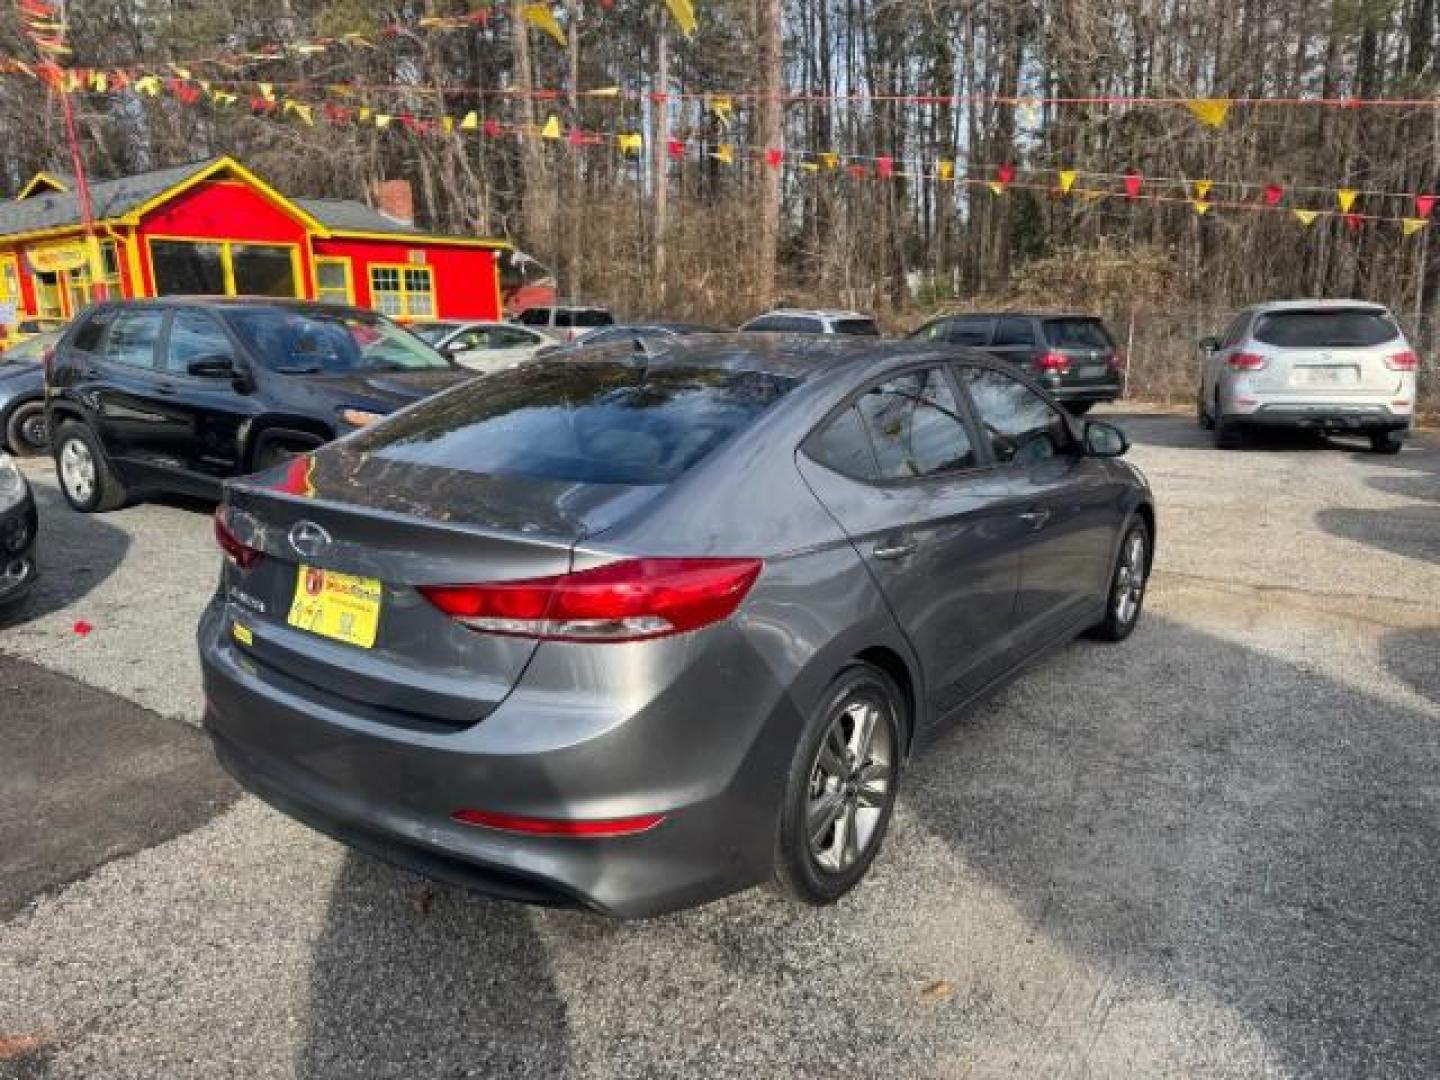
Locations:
(347, 215)
(110, 198)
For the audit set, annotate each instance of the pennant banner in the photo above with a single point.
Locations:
(1209, 111)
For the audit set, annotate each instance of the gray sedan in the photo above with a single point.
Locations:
(638, 630)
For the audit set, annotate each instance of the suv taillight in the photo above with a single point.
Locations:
(1059, 363)
(630, 600)
(1246, 361)
(1402, 361)
(240, 554)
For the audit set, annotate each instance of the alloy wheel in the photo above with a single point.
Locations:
(1130, 579)
(852, 781)
(35, 432)
(77, 470)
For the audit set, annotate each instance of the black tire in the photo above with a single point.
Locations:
(799, 872)
(1227, 433)
(1387, 442)
(1079, 408)
(106, 492)
(1202, 414)
(1120, 620)
(25, 431)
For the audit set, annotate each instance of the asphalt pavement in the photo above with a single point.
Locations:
(1208, 851)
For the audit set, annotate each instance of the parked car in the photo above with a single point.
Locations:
(608, 335)
(1072, 356)
(564, 322)
(28, 328)
(22, 395)
(484, 346)
(792, 321)
(178, 394)
(1320, 365)
(634, 632)
(18, 528)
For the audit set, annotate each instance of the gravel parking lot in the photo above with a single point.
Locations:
(1206, 852)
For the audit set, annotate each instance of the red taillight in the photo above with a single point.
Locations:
(623, 601)
(1054, 361)
(591, 827)
(1402, 361)
(242, 555)
(1246, 361)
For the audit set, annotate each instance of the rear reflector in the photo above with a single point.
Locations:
(1246, 361)
(1402, 361)
(630, 600)
(242, 555)
(1054, 361)
(592, 827)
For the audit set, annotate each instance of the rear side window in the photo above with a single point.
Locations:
(970, 331)
(844, 445)
(1014, 332)
(584, 422)
(856, 327)
(1023, 427)
(92, 331)
(904, 428)
(786, 324)
(588, 317)
(534, 317)
(133, 336)
(1077, 334)
(1321, 327)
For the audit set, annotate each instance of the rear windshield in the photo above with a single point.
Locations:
(1335, 327)
(593, 422)
(857, 327)
(1077, 334)
(583, 317)
(306, 343)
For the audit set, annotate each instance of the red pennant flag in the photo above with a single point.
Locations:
(1424, 204)
(119, 80)
(1005, 173)
(773, 157)
(575, 137)
(260, 105)
(336, 114)
(884, 167)
(675, 148)
(492, 128)
(1354, 220)
(1132, 184)
(1273, 194)
(858, 172)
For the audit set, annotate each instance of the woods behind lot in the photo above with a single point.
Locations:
(688, 234)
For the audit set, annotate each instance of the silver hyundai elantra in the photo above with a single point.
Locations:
(639, 628)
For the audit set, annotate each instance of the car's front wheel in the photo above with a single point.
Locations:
(841, 788)
(26, 432)
(1127, 585)
(86, 478)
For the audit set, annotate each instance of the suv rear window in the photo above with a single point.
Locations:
(593, 422)
(1077, 334)
(1318, 327)
(583, 317)
(856, 327)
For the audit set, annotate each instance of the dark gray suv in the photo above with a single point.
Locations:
(641, 629)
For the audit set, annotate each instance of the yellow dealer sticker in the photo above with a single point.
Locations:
(338, 606)
(242, 634)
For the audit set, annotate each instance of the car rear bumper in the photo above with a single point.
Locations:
(18, 527)
(1107, 390)
(1323, 416)
(390, 791)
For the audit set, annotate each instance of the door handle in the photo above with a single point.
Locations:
(165, 388)
(1036, 519)
(894, 551)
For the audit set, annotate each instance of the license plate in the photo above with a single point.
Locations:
(1326, 376)
(1093, 371)
(343, 607)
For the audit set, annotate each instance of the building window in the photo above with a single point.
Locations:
(110, 268)
(403, 292)
(332, 281)
(48, 304)
(10, 287)
(185, 267)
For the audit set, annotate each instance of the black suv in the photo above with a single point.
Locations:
(1072, 356)
(179, 394)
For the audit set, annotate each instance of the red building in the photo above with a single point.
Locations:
(213, 227)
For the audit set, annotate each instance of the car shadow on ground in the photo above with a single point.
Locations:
(1212, 823)
(1413, 531)
(1413, 656)
(75, 553)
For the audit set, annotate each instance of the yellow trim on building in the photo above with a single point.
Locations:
(418, 238)
(347, 265)
(41, 177)
(226, 164)
(227, 264)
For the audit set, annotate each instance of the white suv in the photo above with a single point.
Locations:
(1326, 365)
(794, 321)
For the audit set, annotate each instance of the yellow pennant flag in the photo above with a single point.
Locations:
(471, 122)
(148, 84)
(1346, 198)
(630, 142)
(725, 154)
(1209, 111)
(1202, 188)
(303, 111)
(447, 125)
(365, 114)
(830, 160)
(220, 97)
(947, 170)
(382, 120)
(997, 187)
(1201, 207)
(683, 12)
(723, 108)
(551, 130)
(184, 73)
(72, 82)
(267, 91)
(1067, 180)
(604, 91)
(1412, 225)
(809, 166)
(1307, 217)
(541, 17)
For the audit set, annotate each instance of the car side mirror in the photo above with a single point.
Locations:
(1209, 344)
(1104, 440)
(213, 367)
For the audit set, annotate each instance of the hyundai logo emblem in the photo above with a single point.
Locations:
(308, 539)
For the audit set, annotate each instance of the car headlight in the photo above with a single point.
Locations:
(12, 484)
